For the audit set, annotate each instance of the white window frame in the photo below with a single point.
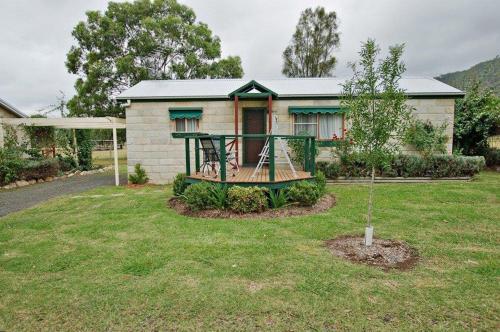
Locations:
(197, 121)
(295, 124)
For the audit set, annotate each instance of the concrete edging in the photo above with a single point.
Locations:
(344, 180)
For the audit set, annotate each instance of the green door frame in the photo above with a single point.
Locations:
(244, 126)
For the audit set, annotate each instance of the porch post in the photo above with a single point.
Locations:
(188, 157)
(115, 155)
(236, 121)
(197, 154)
(222, 151)
(270, 112)
(306, 155)
(312, 167)
(272, 166)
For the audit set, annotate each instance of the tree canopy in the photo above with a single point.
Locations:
(477, 117)
(141, 40)
(377, 112)
(309, 53)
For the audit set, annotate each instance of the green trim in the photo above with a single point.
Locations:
(185, 134)
(185, 112)
(250, 86)
(315, 109)
(328, 143)
(246, 95)
(269, 185)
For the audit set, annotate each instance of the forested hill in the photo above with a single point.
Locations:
(487, 72)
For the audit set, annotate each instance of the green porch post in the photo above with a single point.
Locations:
(312, 167)
(197, 154)
(222, 151)
(188, 157)
(271, 159)
(306, 154)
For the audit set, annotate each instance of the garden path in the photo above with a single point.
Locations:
(22, 198)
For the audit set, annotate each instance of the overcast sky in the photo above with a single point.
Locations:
(441, 36)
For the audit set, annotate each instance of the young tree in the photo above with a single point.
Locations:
(310, 51)
(377, 112)
(477, 117)
(142, 40)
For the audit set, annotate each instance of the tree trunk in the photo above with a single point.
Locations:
(370, 199)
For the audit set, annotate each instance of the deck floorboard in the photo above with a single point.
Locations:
(245, 176)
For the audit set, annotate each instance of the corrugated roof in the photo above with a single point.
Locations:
(285, 88)
(12, 109)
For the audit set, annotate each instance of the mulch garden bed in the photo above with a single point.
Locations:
(387, 254)
(325, 203)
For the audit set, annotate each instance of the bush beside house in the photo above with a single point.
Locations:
(436, 166)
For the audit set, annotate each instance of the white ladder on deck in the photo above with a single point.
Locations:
(264, 155)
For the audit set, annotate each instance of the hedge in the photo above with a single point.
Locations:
(437, 166)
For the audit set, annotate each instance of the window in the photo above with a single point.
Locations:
(186, 125)
(323, 126)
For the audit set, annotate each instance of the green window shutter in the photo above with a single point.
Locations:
(314, 109)
(185, 112)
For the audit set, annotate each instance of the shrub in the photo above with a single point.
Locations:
(66, 163)
(304, 193)
(436, 166)
(320, 180)
(85, 146)
(277, 198)
(331, 170)
(219, 195)
(180, 184)
(139, 177)
(39, 169)
(246, 199)
(427, 139)
(199, 196)
(10, 166)
(492, 157)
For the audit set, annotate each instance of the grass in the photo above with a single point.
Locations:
(123, 261)
(105, 158)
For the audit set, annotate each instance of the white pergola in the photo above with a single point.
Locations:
(74, 123)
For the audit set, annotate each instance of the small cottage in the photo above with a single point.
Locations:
(160, 113)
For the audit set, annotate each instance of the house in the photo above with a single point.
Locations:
(8, 111)
(159, 112)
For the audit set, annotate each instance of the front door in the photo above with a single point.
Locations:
(254, 122)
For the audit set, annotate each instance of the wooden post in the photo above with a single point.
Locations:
(306, 154)
(270, 112)
(197, 154)
(115, 152)
(188, 157)
(312, 167)
(272, 165)
(222, 151)
(75, 148)
(236, 124)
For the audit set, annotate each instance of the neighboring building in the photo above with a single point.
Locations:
(8, 111)
(158, 111)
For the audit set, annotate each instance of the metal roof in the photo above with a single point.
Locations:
(285, 88)
(12, 109)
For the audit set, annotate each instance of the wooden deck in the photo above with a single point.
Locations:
(245, 173)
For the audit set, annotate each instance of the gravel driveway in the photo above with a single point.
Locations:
(25, 197)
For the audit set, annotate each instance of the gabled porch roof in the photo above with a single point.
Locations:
(245, 91)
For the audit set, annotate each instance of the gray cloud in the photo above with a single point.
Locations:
(440, 36)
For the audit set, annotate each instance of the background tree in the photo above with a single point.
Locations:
(477, 117)
(143, 40)
(310, 51)
(377, 112)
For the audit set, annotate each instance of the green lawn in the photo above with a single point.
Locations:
(124, 261)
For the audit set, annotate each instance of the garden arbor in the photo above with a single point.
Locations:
(74, 123)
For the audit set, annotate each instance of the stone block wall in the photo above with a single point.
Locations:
(150, 141)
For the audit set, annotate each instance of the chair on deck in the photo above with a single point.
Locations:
(211, 157)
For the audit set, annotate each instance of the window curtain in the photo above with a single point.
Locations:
(305, 123)
(329, 125)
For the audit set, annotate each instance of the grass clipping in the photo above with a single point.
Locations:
(387, 254)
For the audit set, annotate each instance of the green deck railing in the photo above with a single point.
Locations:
(309, 151)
